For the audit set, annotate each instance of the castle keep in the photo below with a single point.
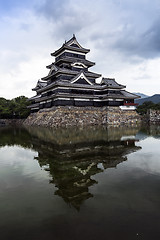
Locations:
(71, 83)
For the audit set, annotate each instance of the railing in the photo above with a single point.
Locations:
(130, 104)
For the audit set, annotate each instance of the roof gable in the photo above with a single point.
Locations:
(73, 42)
(81, 79)
(74, 45)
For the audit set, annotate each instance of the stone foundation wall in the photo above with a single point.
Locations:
(153, 116)
(82, 116)
(6, 122)
(116, 116)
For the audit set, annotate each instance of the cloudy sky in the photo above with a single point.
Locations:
(123, 36)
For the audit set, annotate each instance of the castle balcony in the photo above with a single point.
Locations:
(130, 104)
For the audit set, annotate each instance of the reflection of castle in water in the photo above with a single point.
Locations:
(74, 156)
(149, 130)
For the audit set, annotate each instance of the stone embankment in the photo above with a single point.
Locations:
(153, 116)
(82, 116)
(6, 122)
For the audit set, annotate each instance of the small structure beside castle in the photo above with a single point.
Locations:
(71, 83)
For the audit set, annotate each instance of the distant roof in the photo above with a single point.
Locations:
(40, 84)
(110, 82)
(73, 45)
(129, 95)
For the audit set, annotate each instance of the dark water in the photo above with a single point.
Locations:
(92, 183)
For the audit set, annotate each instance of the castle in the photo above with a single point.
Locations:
(71, 83)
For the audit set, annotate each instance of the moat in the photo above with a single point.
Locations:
(80, 183)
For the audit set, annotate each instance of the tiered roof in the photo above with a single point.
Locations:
(111, 83)
(72, 45)
(69, 81)
(71, 72)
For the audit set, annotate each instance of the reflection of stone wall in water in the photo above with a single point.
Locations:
(6, 122)
(73, 162)
(11, 136)
(74, 156)
(73, 116)
(154, 131)
(73, 135)
(151, 130)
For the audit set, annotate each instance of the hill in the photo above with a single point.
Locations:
(155, 99)
(141, 95)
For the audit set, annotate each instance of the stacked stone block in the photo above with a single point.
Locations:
(75, 116)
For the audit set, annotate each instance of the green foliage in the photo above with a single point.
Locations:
(15, 108)
(142, 109)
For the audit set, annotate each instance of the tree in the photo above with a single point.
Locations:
(15, 108)
(142, 109)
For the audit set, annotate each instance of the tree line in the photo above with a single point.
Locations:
(15, 108)
(142, 109)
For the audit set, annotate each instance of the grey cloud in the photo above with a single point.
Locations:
(15, 58)
(53, 9)
(115, 27)
(152, 37)
(25, 26)
(65, 17)
(144, 45)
